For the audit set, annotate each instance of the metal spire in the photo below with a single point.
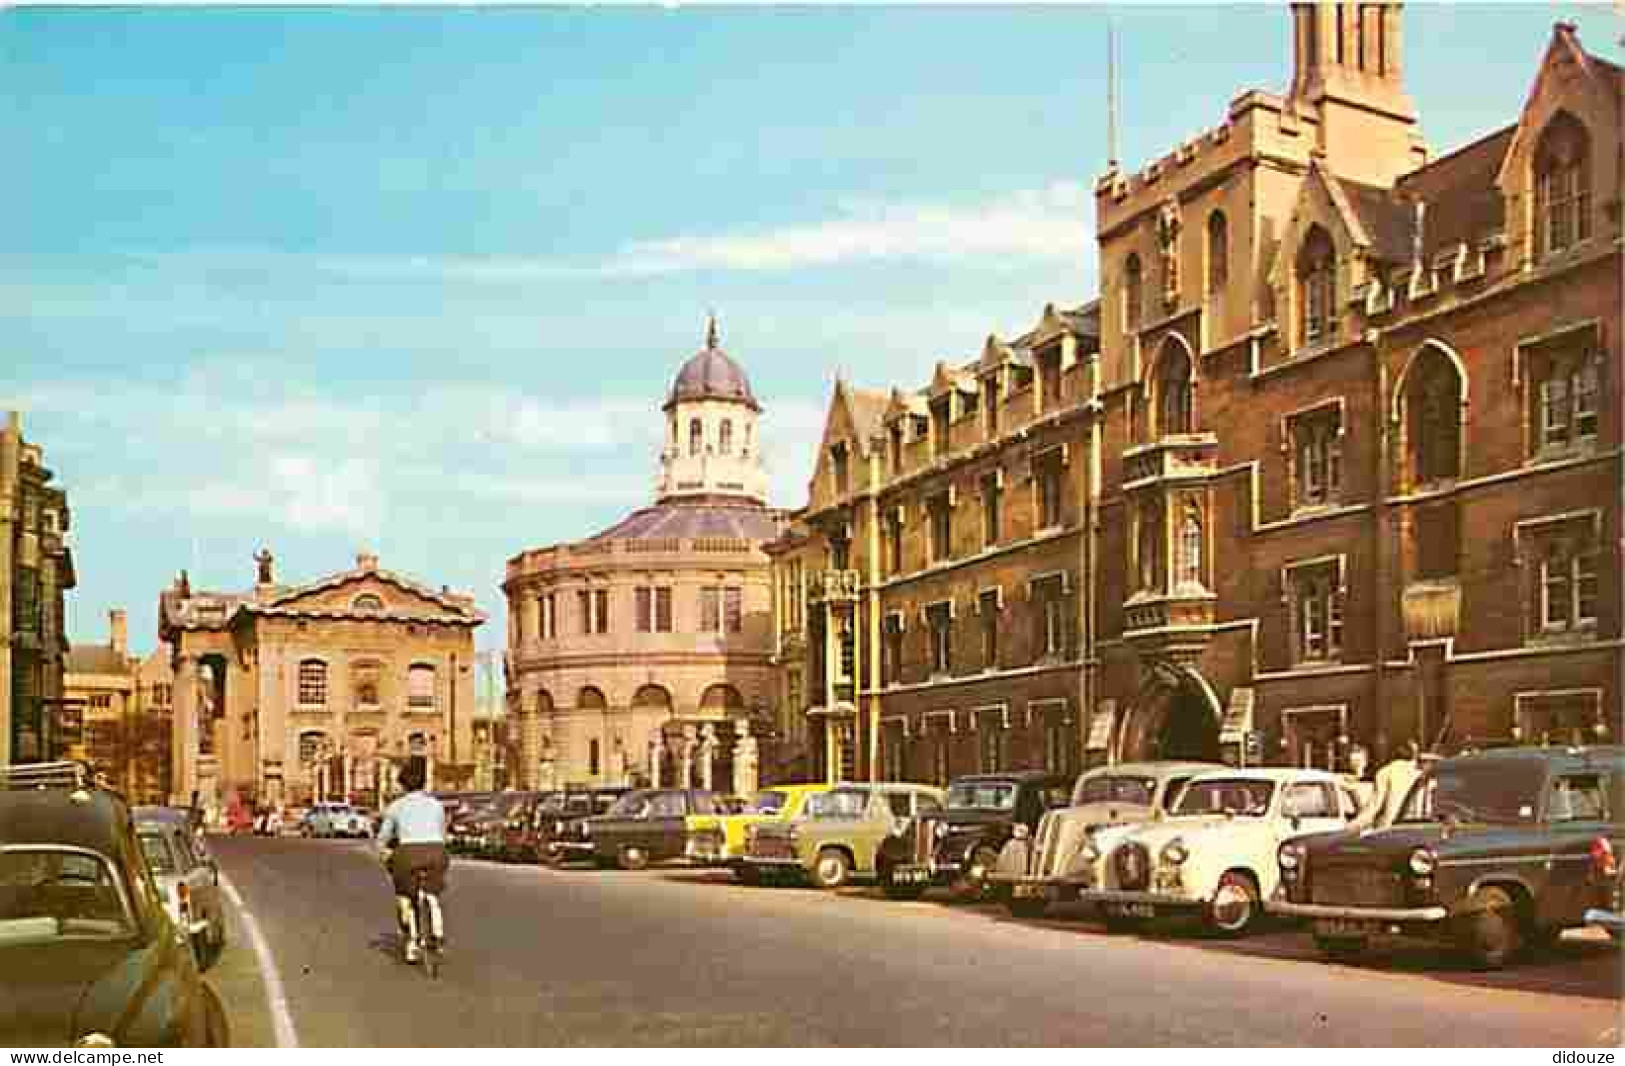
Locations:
(1111, 94)
(711, 331)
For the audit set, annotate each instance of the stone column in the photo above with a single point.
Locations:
(708, 750)
(183, 737)
(657, 754)
(530, 624)
(745, 759)
(685, 765)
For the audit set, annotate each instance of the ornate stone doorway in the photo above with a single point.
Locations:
(1174, 716)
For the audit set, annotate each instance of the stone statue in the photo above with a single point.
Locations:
(184, 586)
(265, 559)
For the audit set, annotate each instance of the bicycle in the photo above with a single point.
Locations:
(430, 928)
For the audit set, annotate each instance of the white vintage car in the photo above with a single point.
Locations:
(1214, 854)
(1063, 856)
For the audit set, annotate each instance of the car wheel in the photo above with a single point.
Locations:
(1489, 930)
(1234, 906)
(747, 875)
(1541, 938)
(832, 870)
(632, 858)
(1340, 948)
(974, 886)
(897, 891)
(1027, 908)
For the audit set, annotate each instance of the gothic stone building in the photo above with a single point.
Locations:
(641, 654)
(287, 694)
(1335, 460)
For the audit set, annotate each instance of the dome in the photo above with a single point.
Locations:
(711, 375)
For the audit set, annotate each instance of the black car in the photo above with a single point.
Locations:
(555, 836)
(90, 956)
(1491, 852)
(960, 846)
(645, 825)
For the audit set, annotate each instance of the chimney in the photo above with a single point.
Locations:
(117, 627)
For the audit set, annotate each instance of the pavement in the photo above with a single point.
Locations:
(675, 956)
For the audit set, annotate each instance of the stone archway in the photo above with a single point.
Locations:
(1175, 716)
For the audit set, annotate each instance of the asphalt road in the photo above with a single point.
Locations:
(675, 956)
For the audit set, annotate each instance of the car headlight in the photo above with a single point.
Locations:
(586, 829)
(1021, 832)
(1290, 857)
(794, 834)
(941, 830)
(1174, 852)
(95, 1040)
(1423, 862)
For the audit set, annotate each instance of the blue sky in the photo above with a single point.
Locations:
(417, 279)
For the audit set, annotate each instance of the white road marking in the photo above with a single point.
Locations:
(276, 999)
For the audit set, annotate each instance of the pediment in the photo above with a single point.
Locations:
(373, 593)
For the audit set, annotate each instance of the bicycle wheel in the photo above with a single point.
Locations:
(427, 940)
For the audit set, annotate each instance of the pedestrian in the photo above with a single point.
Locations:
(1393, 785)
(1364, 790)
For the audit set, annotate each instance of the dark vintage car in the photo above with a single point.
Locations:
(959, 846)
(643, 826)
(1492, 852)
(479, 826)
(556, 821)
(515, 842)
(89, 955)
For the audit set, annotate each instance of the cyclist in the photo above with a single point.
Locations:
(412, 837)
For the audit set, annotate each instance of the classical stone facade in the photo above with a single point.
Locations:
(36, 571)
(286, 694)
(641, 653)
(1334, 460)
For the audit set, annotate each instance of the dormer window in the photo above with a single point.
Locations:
(1317, 288)
(990, 405)
(897, 448)
(1562, 186)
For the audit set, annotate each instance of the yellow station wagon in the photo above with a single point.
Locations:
(719, 839)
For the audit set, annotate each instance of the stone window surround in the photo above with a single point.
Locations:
(1337, 593)
(1288, 424)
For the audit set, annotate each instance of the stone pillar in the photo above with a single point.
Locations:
(183, 739)
(530, 624)
(708, 751)
(657, 754)
(745, 759)
(685, 765)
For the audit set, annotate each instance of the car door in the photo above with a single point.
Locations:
(1308, 807)
(1576, 816)
(662, 832)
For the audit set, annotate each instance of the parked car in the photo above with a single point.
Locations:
(1610, 914)
(1063, 856)
(478, 829)
(513, 844)
(719, 840)
(960, 846)
(839, 834)
(1213, 855)
(90, 956)
(187, 877)
(331, 819)
(556, 818)
(645, 825)
(1491, 852)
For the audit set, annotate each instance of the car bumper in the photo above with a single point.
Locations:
(1613, 920)
(1336, 912)
(1054, 889)
(1142, 904)
(571, 849)
(763, 863)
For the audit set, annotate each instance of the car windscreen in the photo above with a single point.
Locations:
(160, 859)
(1494, 791)
(769, 802)
(1117, 788)
(630, 805)
(982, 795)
(49, 894)
(1248, 798)
(839, 803)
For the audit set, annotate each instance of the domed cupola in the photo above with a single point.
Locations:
(711, 375)
(711, 448)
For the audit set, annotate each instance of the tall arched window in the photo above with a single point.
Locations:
(1173, 392)
(312, 683)
(1317, 288)
(1562, 185)
(1218, 252)
(1433, 417)
(696, 436)
(1150, 547)
(725, 439)
(420, 687)
(1190, 549)
(1133, 291)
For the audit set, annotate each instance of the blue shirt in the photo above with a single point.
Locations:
(415, 818)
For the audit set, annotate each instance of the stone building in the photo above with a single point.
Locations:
(36, 571)
(1335, 460)
(641, 654)
(99, 692)
(286, 694)
(491, 747)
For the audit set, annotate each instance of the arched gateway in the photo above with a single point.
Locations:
(1175, 715)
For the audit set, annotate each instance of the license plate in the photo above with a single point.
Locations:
(1344, 927)
(910, 875)
(1134, 910)
(1030, 891)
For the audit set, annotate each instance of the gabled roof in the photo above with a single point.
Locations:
(867, 409)
(95, 659)
(1460, 191)
(1386, 222)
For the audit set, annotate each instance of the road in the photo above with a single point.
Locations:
(676, 956)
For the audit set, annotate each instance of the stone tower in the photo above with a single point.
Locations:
(711, 444)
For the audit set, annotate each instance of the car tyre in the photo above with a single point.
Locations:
(1489, 930)
(832, 869)
(1234, 908)
(747, 875)
(1341, 948)
(632, 858)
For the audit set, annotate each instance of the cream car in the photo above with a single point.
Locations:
(1056, 862)
(1214, 854)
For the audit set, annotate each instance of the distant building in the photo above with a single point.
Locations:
(290, 693)
(491, 749)
(36, 570)
(124, 703)
(641, 654)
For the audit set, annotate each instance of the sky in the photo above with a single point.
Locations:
(418, 279)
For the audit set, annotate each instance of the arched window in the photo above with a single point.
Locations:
(367, 603)
(1317, 288)
(1190, 549)
(364, 679)
(312, 683)
(1150, 548)
(1133, 290)
(725, 439)
(1562, 185)
(310, 746)
(1433, 417)
(420, 687)
(1173, 392)
(1218, 252)
(591, 698)
(696, 436)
